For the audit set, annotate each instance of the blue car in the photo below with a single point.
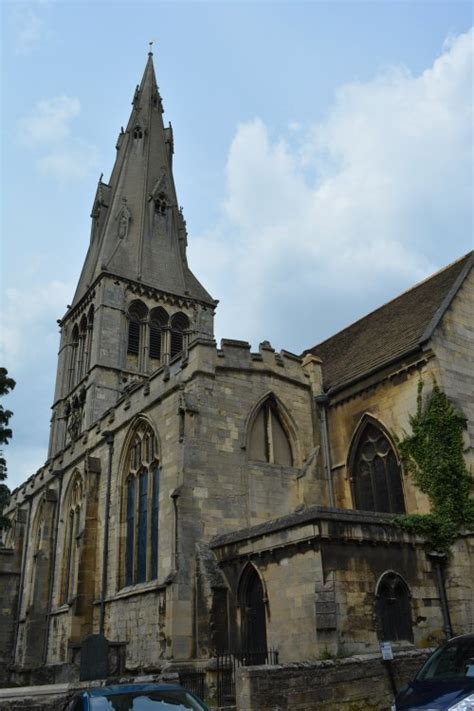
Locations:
(136, 697)
(444, 682)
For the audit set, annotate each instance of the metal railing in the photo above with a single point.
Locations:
(227, 663)
(195, 682)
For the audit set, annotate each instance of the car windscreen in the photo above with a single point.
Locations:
(453, 661)
(147, 701)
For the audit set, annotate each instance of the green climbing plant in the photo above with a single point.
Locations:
(433, 453)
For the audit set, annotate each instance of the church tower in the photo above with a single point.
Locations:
(137, 304)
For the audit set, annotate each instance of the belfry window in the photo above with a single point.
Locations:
(73, 357)
(158, 322)
(137, 133)
(376, 472)
(393, 608)
(137, 314)
(179, 324)
(268, 440)
(141, 508)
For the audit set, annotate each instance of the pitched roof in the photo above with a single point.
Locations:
(391, 331)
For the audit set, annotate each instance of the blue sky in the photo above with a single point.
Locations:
(323, 156)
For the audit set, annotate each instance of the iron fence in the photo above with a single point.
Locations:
(195, 682)
(227, 663)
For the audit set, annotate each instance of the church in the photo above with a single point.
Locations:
(202, 499)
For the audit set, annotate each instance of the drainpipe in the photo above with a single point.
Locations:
(109, 439)
(53, 569)
(175, 496)
(322, 401)
(438, 560)
(22, 577)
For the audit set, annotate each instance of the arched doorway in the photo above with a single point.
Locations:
(254, 627)
(393, 608)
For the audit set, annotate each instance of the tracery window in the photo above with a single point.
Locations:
(393, 608)
(268, 441)
(376, 472)
(72, 522)
(137, 133)
(141, 508)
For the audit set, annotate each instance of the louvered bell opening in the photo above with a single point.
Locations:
(133, 337)
(176, 342)
(155, 342)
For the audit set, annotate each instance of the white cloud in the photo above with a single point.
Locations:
(29, 331)
(30, 27)
(360, 206)
(29, 341)
(70, 162)
(49, 126)
(49, 121)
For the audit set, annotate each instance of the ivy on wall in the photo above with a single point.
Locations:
(433, 453)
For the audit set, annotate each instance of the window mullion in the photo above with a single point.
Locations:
(270, 448)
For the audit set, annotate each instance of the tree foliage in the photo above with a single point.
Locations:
(433, 453)
(6, 385)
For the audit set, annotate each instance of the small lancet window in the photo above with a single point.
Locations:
(376, 472)
(268, 439)
(137, 133)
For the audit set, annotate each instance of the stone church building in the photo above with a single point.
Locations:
(199, 499)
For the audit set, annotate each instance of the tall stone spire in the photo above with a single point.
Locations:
(137, 306)
(138, 231)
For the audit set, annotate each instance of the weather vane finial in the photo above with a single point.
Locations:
(150, 44)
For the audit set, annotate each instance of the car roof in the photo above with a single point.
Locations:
(469, 635)
(127, 688)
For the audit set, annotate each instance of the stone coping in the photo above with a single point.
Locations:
(307, 515)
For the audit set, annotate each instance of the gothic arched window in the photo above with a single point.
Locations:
(137, 314)
(72, 526)
(393, 608)
(90, 326)
(375, 472)
(81, 364)
(158, 321)
(137, 133)
(179, 324)
(73, 356)
(268, 441)
(141, 508)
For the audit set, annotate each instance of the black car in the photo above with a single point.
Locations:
(444, 682)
